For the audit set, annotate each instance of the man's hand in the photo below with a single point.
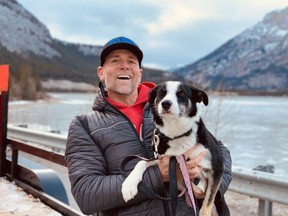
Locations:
(193, 165)
(199, 194)
(163, 164)
(194, 169)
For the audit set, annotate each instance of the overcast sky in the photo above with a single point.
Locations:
(170, 32)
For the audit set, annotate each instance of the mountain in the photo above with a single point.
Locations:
(24, 40)
(254, 60)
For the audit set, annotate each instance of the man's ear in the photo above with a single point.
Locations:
(140, 77)
(100, 73)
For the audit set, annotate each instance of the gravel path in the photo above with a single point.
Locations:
(242, 205)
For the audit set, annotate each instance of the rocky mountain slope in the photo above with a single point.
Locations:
(24, 40)
(256, 59)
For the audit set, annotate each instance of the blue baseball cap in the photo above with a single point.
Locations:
(121, 43)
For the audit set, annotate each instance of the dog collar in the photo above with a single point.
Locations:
(164, 137)
(157, 136)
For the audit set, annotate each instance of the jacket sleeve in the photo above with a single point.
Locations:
(92, 187)
(227, 176)
(90, 184)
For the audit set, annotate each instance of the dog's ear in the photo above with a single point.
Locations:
(202, 96)
(199, 96)
(152, 94)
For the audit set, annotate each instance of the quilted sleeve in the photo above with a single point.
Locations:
(92, 188)
(227, 176)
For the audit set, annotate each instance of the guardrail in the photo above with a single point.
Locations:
(47, 139)
(262, 185)
(259, 184)
(33, 178)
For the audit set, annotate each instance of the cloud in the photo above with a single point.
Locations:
(173, 17)
(170, 32)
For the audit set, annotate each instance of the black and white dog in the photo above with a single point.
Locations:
(177, 109)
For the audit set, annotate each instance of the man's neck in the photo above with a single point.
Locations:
(128, 100)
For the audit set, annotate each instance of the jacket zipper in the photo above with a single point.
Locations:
(140, 135)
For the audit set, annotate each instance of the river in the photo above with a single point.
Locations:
(254, 128)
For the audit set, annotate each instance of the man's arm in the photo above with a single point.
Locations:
(227, 176)
(93, 188)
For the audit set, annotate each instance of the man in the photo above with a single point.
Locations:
(119, 126)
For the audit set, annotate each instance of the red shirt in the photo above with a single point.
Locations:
(134, 112)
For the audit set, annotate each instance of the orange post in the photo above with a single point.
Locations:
(4, 78)
(4, 89)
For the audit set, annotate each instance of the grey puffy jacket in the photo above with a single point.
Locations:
(94, 157)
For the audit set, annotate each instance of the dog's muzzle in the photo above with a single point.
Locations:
(166, 104)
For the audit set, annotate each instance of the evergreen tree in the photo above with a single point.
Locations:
(25, 85)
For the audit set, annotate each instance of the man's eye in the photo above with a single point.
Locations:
(132, 62)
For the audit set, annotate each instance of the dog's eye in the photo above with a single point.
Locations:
(180, 93)
(163, 92)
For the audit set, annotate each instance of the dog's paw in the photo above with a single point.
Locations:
(129, 189)
(130, 185)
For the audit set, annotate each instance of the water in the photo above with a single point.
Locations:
(55, 114)
(254, 128)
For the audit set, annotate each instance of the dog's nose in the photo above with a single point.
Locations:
(166, 104)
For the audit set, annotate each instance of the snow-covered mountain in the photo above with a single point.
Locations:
(23, 33)
(256, 59)
(25, 40)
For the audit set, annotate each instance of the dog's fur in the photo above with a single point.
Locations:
(177, 109)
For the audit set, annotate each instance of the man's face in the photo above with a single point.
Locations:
(120, 72)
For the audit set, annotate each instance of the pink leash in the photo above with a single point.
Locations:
(190, 199)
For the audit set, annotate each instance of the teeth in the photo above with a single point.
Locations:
(123, 77)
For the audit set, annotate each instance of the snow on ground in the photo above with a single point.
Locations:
(14, 201)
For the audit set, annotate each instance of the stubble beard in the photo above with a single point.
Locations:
(123, 90)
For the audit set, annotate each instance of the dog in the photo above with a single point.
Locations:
(177, 109)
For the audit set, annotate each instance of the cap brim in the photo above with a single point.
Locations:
(106, 51)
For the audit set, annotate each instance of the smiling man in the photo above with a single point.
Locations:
(119, 126)
(120, 70)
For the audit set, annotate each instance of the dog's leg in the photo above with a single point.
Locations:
(202, 184)
(208, 203)
(129, 187)
(214, 211)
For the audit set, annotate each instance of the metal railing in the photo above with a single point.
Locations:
(262, 185)
(259, 184)
(46, 139)
(30, 182)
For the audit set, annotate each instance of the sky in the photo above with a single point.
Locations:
(171, 33)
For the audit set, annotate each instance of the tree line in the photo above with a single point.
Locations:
(25, 84)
